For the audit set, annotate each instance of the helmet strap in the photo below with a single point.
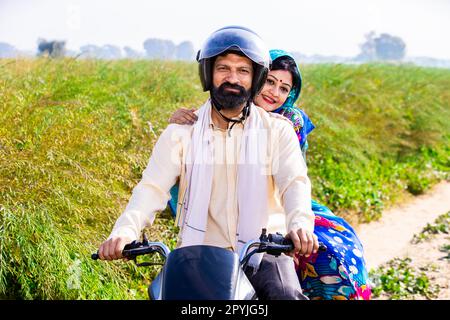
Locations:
(245, 113)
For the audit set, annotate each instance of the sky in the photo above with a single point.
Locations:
(325, 27)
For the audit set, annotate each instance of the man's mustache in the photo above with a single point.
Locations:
(227, 85)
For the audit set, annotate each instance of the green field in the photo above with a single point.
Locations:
(75, 137)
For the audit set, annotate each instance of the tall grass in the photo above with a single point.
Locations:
(75, 137)
(381, 129)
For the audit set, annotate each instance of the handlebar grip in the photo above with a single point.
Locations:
(128, 246)
(280, 239)
(322, 246)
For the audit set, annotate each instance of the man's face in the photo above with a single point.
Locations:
(232, 80)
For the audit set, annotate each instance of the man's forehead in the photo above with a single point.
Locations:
(233, 58)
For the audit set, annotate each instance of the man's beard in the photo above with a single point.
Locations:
(229, 99)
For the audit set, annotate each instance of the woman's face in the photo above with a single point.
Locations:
(275, 91)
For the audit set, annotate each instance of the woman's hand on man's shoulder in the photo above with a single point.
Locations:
(279, 116)
(183, 116)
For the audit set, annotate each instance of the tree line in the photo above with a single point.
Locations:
(374, 48)
(153, 49)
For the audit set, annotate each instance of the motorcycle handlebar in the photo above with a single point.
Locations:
(135, 249)
(272, 243)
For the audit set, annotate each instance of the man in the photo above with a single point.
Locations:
(228, 165)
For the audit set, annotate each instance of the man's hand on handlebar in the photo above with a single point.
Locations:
(305, 242)
(112, 248)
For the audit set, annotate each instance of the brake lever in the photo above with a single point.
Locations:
(132, 245)
(147, 264)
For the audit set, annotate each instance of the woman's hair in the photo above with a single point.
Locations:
(288, 64)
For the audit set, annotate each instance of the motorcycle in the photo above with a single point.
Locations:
(204, 272)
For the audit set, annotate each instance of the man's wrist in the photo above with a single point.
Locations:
(304, 224)
(125, 232)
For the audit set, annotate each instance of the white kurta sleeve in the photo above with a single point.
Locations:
(151, 194)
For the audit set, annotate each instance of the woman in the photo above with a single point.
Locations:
(340, 272)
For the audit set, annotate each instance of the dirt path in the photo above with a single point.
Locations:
(390, 236)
